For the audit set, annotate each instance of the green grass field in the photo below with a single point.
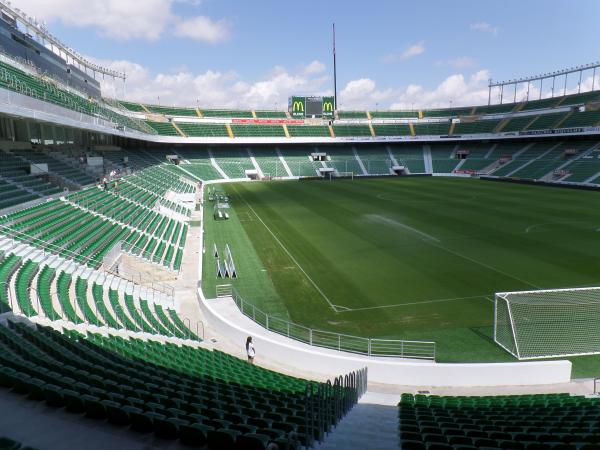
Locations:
(405, 258)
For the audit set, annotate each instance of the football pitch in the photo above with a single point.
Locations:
(404, 258)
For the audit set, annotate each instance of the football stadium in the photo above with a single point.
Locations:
(316, 274)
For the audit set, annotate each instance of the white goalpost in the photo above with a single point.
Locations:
(548, 323)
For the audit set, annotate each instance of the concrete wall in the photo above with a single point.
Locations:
(226, 319)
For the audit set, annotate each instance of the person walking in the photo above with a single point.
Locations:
(250, 350)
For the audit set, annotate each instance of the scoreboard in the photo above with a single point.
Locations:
(311, 107)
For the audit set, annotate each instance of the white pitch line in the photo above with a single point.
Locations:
(460, 255)
(394, 223)
(397, 305)
(331, 305)
(566, 222)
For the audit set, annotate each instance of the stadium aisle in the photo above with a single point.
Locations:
(373, 421)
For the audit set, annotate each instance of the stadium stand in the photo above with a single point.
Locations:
(542, 421)
(432, 128)
(343, 160)
(198, 396)
(394, 114)
(203, 129)
(234, 162)
(352, 114)
(410, 156)
(17, 80)
(376, 160)
(55, 166)
(299, 161)
(172, 111)
(443, 158)
(308, 131)
(392, 130)
(479, 126)
(163, 128)
(258, 130)
(270, 114)
(450, 112)
(227, 113)
(351, 130)
(269, 162)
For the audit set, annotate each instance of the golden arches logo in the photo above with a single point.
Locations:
(327, 106)
(298, 106)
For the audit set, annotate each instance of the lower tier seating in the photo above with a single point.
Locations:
(202, 398)
(517, 422)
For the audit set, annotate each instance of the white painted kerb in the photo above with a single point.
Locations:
(225, 318)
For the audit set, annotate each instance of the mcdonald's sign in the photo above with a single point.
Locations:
(297, 107)
(328, 107)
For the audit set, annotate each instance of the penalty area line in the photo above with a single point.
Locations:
(413, 303)
(331, 305)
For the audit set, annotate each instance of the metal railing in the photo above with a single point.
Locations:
(327, 403)
(327, 339)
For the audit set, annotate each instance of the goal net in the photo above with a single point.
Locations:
(337, 175)
(548, 323)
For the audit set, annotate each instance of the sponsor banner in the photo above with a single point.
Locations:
(558, 131)
(298, 107)
(466, 171)
(268, 121)
(328, 107)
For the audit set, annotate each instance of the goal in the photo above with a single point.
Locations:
(338, 175)
(548, 323)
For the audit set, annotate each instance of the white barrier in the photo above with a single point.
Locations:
(226, 319)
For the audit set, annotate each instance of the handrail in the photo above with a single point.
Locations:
(325, 404)
(395, 348)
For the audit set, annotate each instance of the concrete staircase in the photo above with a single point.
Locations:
(372, 424)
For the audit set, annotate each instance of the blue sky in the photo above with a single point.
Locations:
(256, 53)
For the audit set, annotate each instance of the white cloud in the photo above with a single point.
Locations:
(458, 63)
(314, 67)
(127, 19)
(456, 90)
(202, 28)
(485, 27)
(214, 89)
(363, 94)
(409, 52)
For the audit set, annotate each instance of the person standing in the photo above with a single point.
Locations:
(250, 350)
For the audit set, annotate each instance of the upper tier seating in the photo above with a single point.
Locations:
(449, 112)
(129, 106)
(352, 114)
(431, 129)
(172, 111)
(227, 113)
(258, 130)
(270, 114)
(479, 126)
(308, 131)
(392, 130)
(203, 129)
(33, 86)
(163, 128)
(351, 130)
